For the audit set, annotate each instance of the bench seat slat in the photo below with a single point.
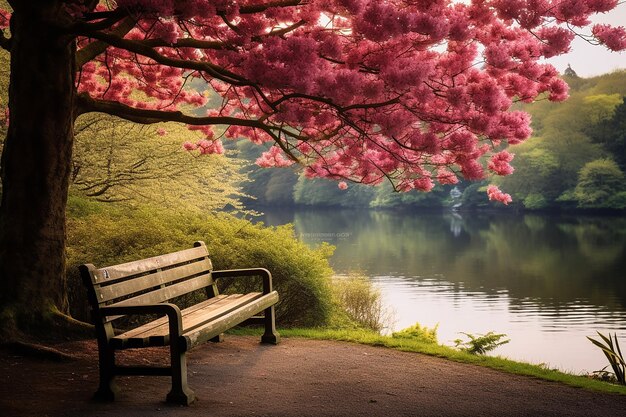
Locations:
(121, 289)
(157, 334)
(136, 332)
(121, 271)
(229, 320)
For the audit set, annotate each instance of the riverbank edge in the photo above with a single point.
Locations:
(370, 338)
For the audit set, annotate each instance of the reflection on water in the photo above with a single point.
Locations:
(546, 281)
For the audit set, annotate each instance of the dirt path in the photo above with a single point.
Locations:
(296, 378)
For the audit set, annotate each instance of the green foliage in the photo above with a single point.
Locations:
(267, 186)
(536, 180)
(474, 197)
(617, 201)
(387, 198)
(362, 302)
(323, 192)
(610, 348)
(611, 134)
(535, 202)
(598, 181)
(115, 160)
(567, 136)
(481, 344)
(119, 234)
(418, 332)
(601, 107)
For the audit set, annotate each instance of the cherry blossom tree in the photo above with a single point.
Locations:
(414, 92)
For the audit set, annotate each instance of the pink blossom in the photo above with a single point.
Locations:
(342, 185)
(613, 37)
(494, 193)
(161, 131)
(207, 147)
(189, 146)
(423, 184)
(273, 158)
(499, 163)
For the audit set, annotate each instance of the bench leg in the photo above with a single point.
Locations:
(180, 393)
(217, 339)
(271, 335)
(107, 390)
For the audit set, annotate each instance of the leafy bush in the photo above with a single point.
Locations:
(617, 201)
(121, 234)
(535, 202)
(362, 302)
(481, 344)
(418, 332)
(598, 181)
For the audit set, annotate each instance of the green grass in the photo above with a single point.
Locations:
(409, 345)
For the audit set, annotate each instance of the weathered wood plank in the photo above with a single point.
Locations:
(149, 335)
(215, 311)
(230, 320)
(167, 293)
(160, 277)
(117, 272)
(136, 332)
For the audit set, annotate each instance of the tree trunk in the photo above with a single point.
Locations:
(35, 168)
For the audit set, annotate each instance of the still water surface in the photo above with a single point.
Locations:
(546, 281)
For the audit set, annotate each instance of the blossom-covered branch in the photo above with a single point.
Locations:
(361, 90)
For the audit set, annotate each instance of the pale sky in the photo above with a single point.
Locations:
(590, 60)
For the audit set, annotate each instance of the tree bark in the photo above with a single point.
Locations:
(35, 167)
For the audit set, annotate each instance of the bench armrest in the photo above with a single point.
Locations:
(170, 310)
(249, 272)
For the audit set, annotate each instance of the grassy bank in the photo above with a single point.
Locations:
(433, 349)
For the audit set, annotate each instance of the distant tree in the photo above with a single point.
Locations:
(599, 181)
(386, 197)
(548, 165)
(536, 174)
(611, 134)
(361, 90)
(266, 186)
(322, 192)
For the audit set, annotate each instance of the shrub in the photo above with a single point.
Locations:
(362, 302)
(481, 344)
(418, 332)
(121, 234)
(535, 202)
(598, 181)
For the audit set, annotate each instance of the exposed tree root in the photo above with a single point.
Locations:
(38, 351)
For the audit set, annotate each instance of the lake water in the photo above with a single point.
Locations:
(546, 281)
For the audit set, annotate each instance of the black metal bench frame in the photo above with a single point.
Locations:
(144, 287)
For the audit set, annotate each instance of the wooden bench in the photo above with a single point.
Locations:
(144, 287)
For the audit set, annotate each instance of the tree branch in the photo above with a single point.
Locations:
(140, 48)
(256, 8)
(110, 16)
(87, 104)
(94, 49)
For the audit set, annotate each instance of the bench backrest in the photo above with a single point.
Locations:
(151, 280)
